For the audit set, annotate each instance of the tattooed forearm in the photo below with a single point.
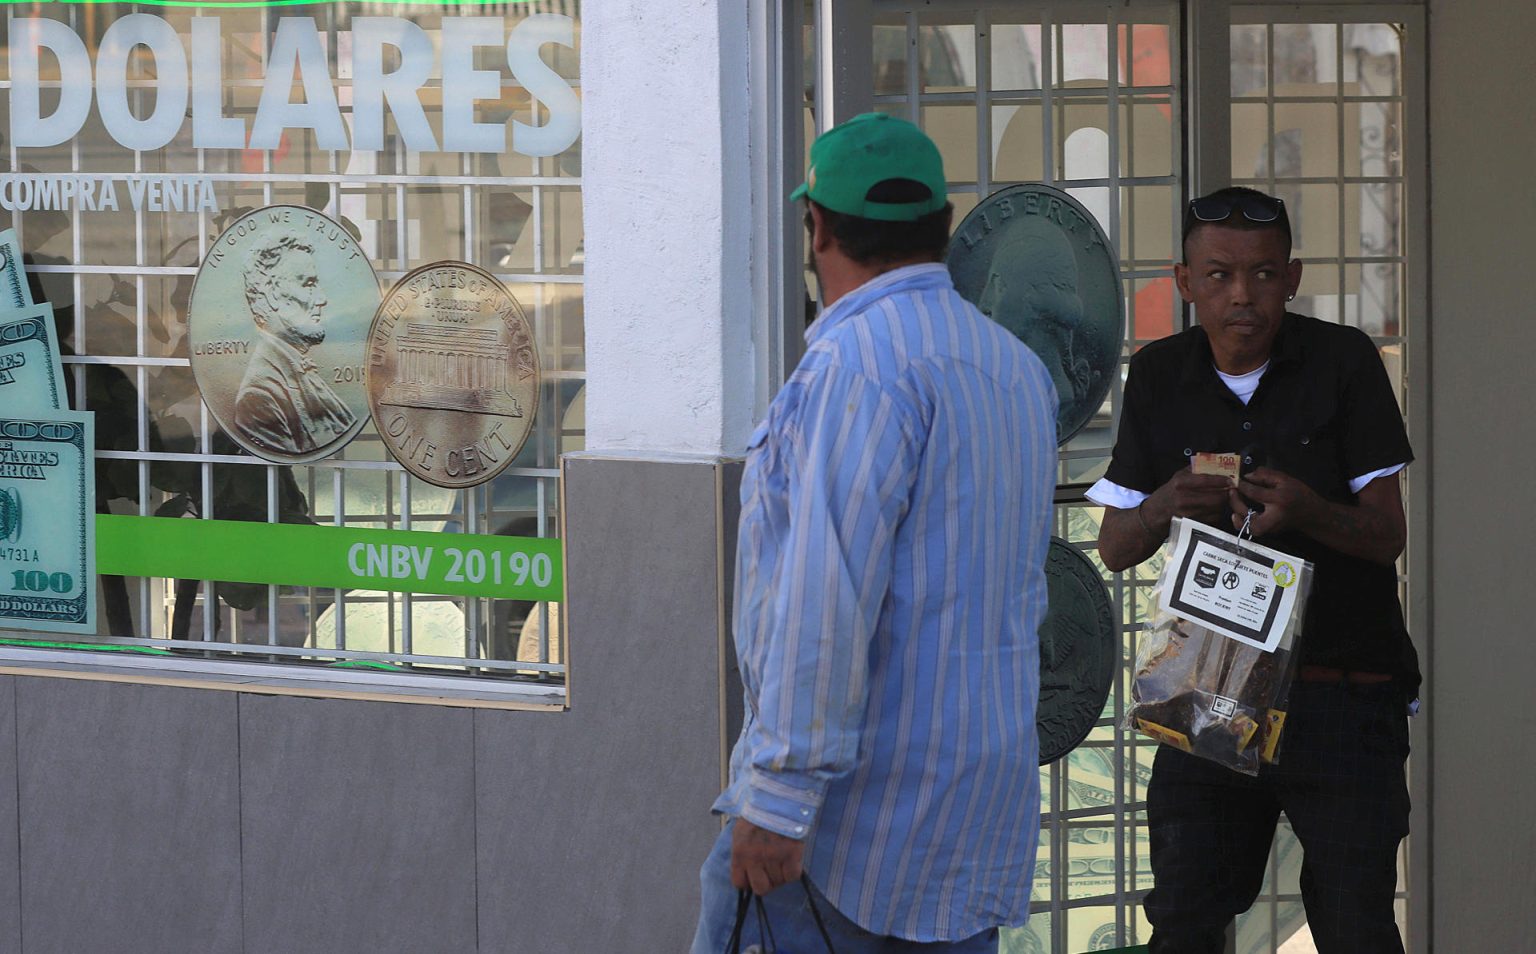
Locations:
(1373, 533)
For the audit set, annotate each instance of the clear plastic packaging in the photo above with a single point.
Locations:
(1200, 689)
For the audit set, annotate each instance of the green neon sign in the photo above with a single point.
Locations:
(347, 558)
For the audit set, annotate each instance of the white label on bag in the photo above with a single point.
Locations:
(1237, 588)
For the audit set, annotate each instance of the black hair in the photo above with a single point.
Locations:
(1236, 219)
(875, 242)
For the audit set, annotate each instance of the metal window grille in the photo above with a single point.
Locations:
(1004, 87)
(1085, 97)
(1325, 113)
(125, 277)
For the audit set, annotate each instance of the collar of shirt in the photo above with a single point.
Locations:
(1200, 365)
(907, 277)
(1243, 385)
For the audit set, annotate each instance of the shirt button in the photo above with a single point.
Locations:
(1306, 440)
(1247, 460)
(1188, 452)
(806, 812)
(1247, 425)
(799, 829)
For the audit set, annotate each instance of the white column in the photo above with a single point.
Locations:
(668, 205)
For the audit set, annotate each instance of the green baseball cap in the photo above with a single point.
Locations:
(850, 159)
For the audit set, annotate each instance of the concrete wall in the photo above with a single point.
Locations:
(147, 818)
(1483, 341)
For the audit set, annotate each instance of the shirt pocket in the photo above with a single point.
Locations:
(760, 453)
(1177, 438)
(759, 435)
(762, 477)
(1310, 447)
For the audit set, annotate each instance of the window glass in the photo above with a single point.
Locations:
(1093, 106)
(1101, 127)
(1319, 125)
(403, 134)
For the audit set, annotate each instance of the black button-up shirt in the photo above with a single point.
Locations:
(1324, 412)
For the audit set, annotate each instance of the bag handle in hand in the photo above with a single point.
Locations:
(746, 900)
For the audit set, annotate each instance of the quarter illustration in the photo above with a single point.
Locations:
(1078, 651)
(277, 324)
(453, 374)
(1036, 262)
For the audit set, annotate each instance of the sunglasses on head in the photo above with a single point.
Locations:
(1219, 208)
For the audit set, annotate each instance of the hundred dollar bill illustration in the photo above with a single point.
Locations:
(47, 522)
(13, 276)
(31, 377)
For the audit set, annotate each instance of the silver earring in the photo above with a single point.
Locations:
(1291, 297)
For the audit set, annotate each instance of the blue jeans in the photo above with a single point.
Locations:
(790, 920)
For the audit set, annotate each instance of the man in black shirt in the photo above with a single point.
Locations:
(1308, 406)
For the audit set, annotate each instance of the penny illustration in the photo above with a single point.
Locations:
(453, 374)
(1078, 651)
(276, 325)
(1036, 262)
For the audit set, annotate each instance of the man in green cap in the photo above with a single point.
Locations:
(890, 585)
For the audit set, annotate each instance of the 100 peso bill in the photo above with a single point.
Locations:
(47, 522)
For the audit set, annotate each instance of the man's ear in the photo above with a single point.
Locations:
(1181, 279)
(821, 236)
(1292, 278)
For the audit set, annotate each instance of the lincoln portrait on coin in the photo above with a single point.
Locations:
(284, 403)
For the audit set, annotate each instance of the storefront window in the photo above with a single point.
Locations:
(147, 147)
(1090, 98)
(1317, 118)
(1083, 100)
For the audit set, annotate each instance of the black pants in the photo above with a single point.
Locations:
(1340, 781)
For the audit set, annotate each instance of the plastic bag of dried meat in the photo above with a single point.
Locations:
(1215, 664)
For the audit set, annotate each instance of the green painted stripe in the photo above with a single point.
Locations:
(365, 664)
(216, 4)
(400, 561)
(93, 647)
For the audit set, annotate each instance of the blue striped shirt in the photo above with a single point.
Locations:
(890, 585)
